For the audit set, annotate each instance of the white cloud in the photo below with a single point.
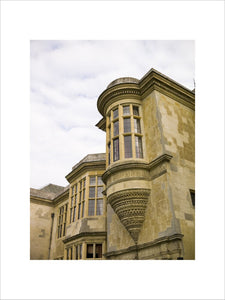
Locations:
(66, 79)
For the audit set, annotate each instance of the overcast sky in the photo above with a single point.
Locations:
(66, 79)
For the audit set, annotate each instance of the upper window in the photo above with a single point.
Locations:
(95, 202)
(192, 197)
(77, 201)
(124, 133)
(62, 220)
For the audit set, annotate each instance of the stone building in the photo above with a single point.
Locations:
(137, 201)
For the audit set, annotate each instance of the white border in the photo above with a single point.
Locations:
(200, 21)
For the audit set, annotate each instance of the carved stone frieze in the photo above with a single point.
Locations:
(130, 206)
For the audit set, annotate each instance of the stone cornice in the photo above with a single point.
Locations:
(165, 239)
(84, 234)
(117, 92)
(125, 165)
(102, 124)
(84, 167)
(153, 80)
(62, 197)
(41, 201)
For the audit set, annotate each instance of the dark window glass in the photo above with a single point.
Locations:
(100, 182)
(76, 188)
(92, 192)
(72, 190)
(116, 149)
(99, 207)
(100, 189)
(192, 198)
(65, 217)
(89, 250)
(75, 200)
(68, 253)
(98, 250)
(64, 229)
(83, 209)
(92, 180)
(81, 251)
(71, 253)
(76, 252)
(109, 152)
(126, 110)
(126, 125)
(80, 185)
(83, 194)
(84, 182)
(137, 126)
(127, 146)
(74, 213)
(79, 209)
(115, 113)
(116, 128)
(71, 201)
(91, 207)
(136, 110)
(138, 146)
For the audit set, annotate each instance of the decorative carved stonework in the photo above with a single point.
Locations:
(130, 206)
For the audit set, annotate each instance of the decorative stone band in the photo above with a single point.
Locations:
(84, 234)
(166, 239)
(130, 206)
(156, 167)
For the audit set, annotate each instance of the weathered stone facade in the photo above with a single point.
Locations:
(147, 210)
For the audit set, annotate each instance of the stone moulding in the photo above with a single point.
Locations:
(156, 242)
(84, 234)
(139, 89)
(130, 206)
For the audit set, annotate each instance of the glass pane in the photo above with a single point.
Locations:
(80, 185)
(127, 146)
(76, 252)
(138, 146)
(76, 188)
(71, 201)
(92, 192)
(92, 180)
(71, 253)
(79, 208)
(72, 190)
(75, 200)
(115, 113)
(100, 182)
(83, 194)
(89, 250)
(84, 183)
(74, 213)
(80, 251)
(116, 128)
(136, 110)
(126, 125)
(98, 250)
(100, 189)
(126, 110)
(99, 207)
(80, 196)
(109, 152)
(115, 149)
(83, 209)
(137, 126)
(91, 207)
